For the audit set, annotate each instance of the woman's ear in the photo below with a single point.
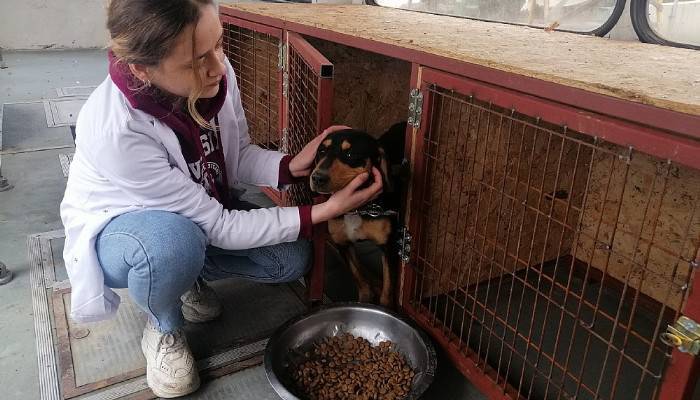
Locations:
(141, 72)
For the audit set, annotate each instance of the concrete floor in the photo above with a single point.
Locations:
(32, 207)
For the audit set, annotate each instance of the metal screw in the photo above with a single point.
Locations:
(81, 333)
(2, 62)
(5, 274)
(695, 263)
(689, 324)
(4, 185)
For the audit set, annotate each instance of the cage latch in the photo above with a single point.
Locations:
(404, 243)
(415, 108)
(684, 335)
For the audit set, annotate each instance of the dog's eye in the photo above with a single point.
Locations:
(322, 151)
(349, 155)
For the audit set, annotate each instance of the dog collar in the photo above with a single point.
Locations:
(373, 210)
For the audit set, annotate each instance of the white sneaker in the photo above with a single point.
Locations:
(170, 368)
(200, 304)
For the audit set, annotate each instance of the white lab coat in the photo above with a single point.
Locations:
(126, 160)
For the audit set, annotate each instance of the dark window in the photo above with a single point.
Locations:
(581, 16)
(669, 22)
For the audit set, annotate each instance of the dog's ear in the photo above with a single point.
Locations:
(384, 169)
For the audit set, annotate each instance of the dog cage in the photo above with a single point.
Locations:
(547, 247)
(547, 258)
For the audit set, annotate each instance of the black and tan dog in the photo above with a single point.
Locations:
(341, 157)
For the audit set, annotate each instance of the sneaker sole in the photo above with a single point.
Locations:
(191, 315)
(172, 395)
(166, 394)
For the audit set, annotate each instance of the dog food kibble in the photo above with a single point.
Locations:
(348, 367)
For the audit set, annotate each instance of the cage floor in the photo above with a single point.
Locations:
(103, 360)
(547, 338)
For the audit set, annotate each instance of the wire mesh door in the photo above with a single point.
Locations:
(286, 92)
(308, 100)
(255, 53)
(546, 261)
(308, 105)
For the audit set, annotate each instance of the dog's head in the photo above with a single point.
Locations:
(342, 156)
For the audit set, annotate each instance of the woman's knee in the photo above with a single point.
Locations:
(295, 260)
(156, 240)
(179, 240)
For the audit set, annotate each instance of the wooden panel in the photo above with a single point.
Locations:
(254, 58)
(641, 224)
(653, 75)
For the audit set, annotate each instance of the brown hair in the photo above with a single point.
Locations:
(144, 31)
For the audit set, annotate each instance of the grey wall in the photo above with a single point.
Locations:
(59, 24)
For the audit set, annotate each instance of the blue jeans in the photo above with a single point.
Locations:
(159, 255)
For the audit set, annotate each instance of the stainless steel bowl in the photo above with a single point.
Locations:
(374, 323)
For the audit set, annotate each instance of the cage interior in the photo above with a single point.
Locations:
(371, 93)
(370, 90)
(556, 257)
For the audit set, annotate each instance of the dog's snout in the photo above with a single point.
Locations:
(320, 179)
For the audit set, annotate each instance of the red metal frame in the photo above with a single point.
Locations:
(325, 95)
(661, 144)
(685, 124)
(317, 276)
(684, 368)
(324, 116)
(253, 26)
(317, 61)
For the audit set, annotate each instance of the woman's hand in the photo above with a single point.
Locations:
(349, 198)
(302, 163)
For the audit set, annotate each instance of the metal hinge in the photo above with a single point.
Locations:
(282, 66)
(281, 56)
(684, 335)
(284, 148)
(404, 243)
(415, 108)
(5, 274)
